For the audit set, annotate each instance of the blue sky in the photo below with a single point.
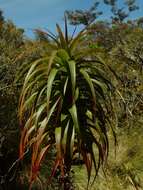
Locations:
(31, 14)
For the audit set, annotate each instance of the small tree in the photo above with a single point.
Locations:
(118, 13)
(84, 17)
(65, 102)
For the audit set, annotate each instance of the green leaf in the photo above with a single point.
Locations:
(72, 141)
(51, 78)
(63, 55)
(63, 117)
(102, 85)
(72, 68)
(30, 100)
(73, 112)
(58, 140)
(64, 139)
(76, 94)
(39, 112)
(51, 61)
(76, 40)
(32, 68)
(62, 38)
(89, 81)
(65, 86)
(52, 109)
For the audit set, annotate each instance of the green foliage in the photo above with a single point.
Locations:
(84, 17)
(123, 171)
(10, 44)
(15, 50)
(66, 101)
(11, 40)
(118, 13)
(66, 104)
(123, 52)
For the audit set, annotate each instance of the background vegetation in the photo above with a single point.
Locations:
(119, 43)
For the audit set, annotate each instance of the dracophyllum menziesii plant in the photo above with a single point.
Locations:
(65, 101)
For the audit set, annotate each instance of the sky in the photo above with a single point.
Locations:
(32, 14)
